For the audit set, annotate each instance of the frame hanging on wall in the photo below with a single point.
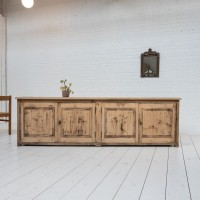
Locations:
(150, 64)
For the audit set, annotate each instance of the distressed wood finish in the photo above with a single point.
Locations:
(76, 122)
(119, 123)
(157, 123)
(98, 121)
(38, 122)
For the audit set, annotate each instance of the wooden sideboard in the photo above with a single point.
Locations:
(97, 121)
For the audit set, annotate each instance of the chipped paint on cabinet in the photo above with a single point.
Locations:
(119, 122)
(38, 122)
(76, 122)
(157, 123)
(98, 121)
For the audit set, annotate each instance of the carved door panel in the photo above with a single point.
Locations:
(37, 123)
(157, 123)
(119, 123)
(76, 123)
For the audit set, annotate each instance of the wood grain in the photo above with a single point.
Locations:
(98, 121)
(119, 122)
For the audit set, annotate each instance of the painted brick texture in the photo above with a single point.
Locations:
(97, 46)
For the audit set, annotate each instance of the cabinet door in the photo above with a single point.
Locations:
(37, 122)
(119, 123)
(157, 123)
(76, 123)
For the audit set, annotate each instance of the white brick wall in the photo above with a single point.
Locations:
(96, 44)
(2, 65)
(2, 56)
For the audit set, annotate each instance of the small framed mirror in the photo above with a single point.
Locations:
(150, 64)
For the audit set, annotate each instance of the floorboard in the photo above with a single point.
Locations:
(115, 176)
(192, 165)
(96, 173)
(131, 187)
(56, 191)
(177, 184)
(90, 182)
(155, 183)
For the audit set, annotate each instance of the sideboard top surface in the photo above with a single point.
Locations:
(101, 98)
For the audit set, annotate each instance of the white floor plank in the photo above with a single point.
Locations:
(57, 190)
(133, 184)
(89, 183)
(177, 185)
(192, 164)
(41, 173)
(112, 170)
(154, 186)
(21, 172)
(196, 143)
(45, 182)
(78, 173)
(115, 177)
(16, 156)
(12, 164)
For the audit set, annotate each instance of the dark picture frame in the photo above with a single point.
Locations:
(150, 64)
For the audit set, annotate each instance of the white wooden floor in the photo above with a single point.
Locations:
(99, 173)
